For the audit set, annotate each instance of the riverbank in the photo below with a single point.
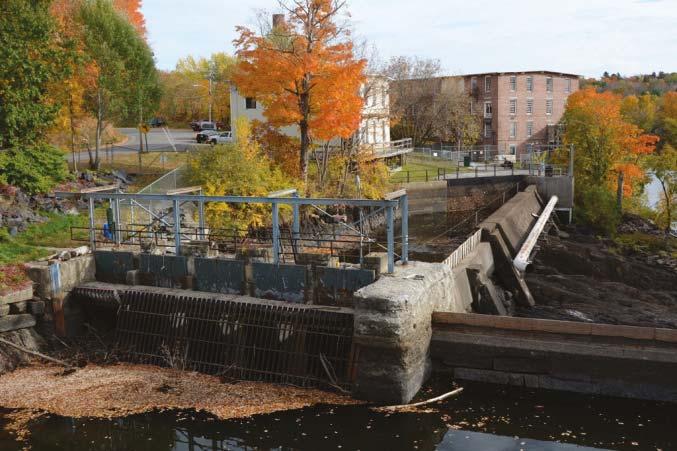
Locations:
(631, 280)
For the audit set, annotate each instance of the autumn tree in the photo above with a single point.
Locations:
(304, 72)
(132, 10)
(32, 58)
(605, 144)
(126, 82)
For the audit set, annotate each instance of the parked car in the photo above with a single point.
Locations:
(203, 136)
(157, 122)
(206, 125)
(221, 138)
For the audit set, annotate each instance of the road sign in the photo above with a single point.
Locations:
(144, 128)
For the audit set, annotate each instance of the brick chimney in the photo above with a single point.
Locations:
(278, 20)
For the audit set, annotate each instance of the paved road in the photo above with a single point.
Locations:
(158, 141)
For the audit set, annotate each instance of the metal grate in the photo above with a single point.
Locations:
(239, 337)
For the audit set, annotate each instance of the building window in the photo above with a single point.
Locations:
(513, 106)
(513, 129)
(487, 130)
(548, 106)
(473, 85)
(530, 106)
(530, 84)
(487, 84)
(548, 84)
(250, 103)
(513, 149)
(568, 85)
(488, 109)
(513, 83)
(530, 129)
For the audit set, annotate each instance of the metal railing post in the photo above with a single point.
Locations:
(118, 222)
(201, 218)
(177, 227)
(390, 232)
(92, 230)
(404, 205)
(296, 225)
(276, 233)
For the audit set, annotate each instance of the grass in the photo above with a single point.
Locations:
(39, 240)
(654, 244)
(417, 166)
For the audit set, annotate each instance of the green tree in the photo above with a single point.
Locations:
(126, 82)
(664, 167)
(239, 169)
(32, 58)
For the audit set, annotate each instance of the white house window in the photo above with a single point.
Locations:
(487, 84)
(530, 84)
(488, 109)
(548, 84)
(513, 149)
(530, 106)
(548, 106)
(513, 106)
(530, 129)
(250, 103)
(487, 130)
(568, 85)
(513, 83)
(513, 129)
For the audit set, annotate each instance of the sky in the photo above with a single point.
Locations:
(585, 37)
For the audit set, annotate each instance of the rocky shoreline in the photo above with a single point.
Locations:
(580, 277)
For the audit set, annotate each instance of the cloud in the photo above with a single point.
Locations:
(580, 36)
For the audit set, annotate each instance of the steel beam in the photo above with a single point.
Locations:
(390, 232)
(404, 205)
(92, 229)
(177, 226)
(276, 233)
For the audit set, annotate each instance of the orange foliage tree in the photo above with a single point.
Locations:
(305, 73)
(132, 9)
(605, 142)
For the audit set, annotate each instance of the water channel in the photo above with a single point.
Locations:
(484, 417)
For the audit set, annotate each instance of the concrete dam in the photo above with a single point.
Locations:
(376, 326)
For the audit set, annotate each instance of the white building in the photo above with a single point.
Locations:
(374, 125)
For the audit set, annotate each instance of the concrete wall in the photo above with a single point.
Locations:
(605, 359)
(393, 330)
(562, 187)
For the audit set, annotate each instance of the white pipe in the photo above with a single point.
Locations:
(522, 262)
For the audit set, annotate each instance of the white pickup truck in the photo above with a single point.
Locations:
(221, 138)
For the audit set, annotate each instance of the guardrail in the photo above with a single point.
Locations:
(464, 249)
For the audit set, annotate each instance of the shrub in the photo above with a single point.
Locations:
(34, 169)
(596, 207)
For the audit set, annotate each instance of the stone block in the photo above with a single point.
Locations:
(18, 307)
(61, 277)
(377, 262)
(36, 307)
(614, 330)
(23, 294)
(666, 335)
(16, 322)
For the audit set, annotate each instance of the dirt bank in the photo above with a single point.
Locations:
(579, 277)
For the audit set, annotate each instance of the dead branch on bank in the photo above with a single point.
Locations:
(35, 353)
(423, 403)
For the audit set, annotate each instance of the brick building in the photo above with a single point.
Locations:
(519, 110)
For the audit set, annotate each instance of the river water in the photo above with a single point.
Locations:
(484, 417)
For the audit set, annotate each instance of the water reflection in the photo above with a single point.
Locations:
(485, 417)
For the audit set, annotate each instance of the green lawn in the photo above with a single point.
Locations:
(39, 239)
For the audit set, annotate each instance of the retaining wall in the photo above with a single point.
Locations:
(604, 359)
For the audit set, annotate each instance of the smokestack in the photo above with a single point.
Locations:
(278, 20)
